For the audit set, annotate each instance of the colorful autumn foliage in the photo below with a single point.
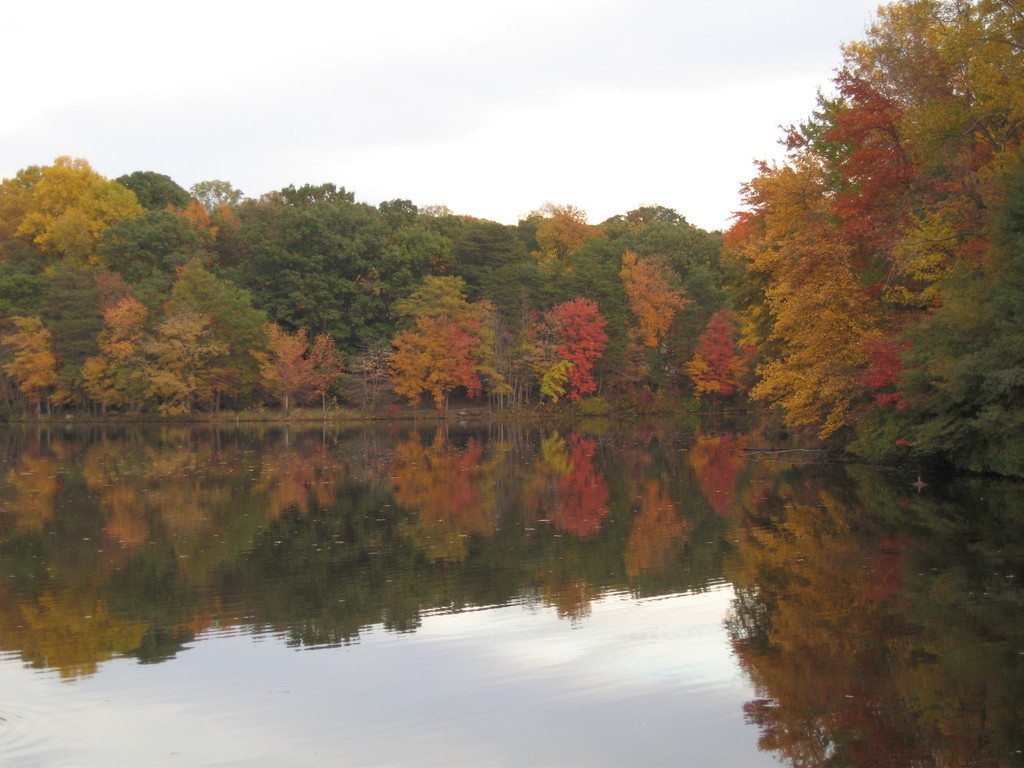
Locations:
(573, 331)
(449, 347)
(717, 364)
(360, 280)
(653, 299)
(285, 367)
(33, 365)
(874, 276)
(887, 213)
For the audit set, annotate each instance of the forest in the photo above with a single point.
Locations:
(871, 287)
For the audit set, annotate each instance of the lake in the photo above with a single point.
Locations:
(691, 592)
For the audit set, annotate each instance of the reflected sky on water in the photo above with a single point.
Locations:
(637, 682)
(643, 593)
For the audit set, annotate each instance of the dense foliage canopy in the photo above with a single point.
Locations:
(882, 259)
(872, 288)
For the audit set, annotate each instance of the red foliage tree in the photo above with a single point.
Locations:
(716, 362)
(578, 330)
(885, 370)
(875, 170)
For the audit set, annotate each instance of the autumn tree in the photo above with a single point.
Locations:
(435, 358)
(33, 366)
(328, 364)
(287, 370)
(571, 332)
(554, 380)
(861, 244)
(562, 231)
(179, 357)
(450, 345)
(654, 296)
(812, 369)
(114, 376)
(236, 327)
(717, 364)
(63, 208)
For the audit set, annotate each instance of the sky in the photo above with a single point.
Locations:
(489, 108)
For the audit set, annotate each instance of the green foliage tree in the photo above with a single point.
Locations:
(155, 191)
(148, 250)
(214, 193)
(962, 382)
(317, 266)
(235, 329)
(72, 312)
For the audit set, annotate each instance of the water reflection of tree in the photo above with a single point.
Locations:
(656, 533)
(717, 463)
(871, 645)
(566, 488)
(443, 484)
(167, 532)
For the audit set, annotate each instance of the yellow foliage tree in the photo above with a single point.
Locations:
(34, 366)
(113, 377)
(63, 208)
(818, 316)
(177, 357)
(563, 231)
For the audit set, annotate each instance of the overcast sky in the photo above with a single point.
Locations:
(491, 108)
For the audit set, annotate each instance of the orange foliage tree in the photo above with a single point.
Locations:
(450, 345)
(285, 368)
(654, 297)
(113, 377)
(33, 365)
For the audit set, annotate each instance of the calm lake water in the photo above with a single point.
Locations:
(600, 593)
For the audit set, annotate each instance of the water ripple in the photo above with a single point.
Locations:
(22, 731)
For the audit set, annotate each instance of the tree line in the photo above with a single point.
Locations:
(872, 287)
(134, 295)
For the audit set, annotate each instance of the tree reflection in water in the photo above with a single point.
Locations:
(880, 626)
